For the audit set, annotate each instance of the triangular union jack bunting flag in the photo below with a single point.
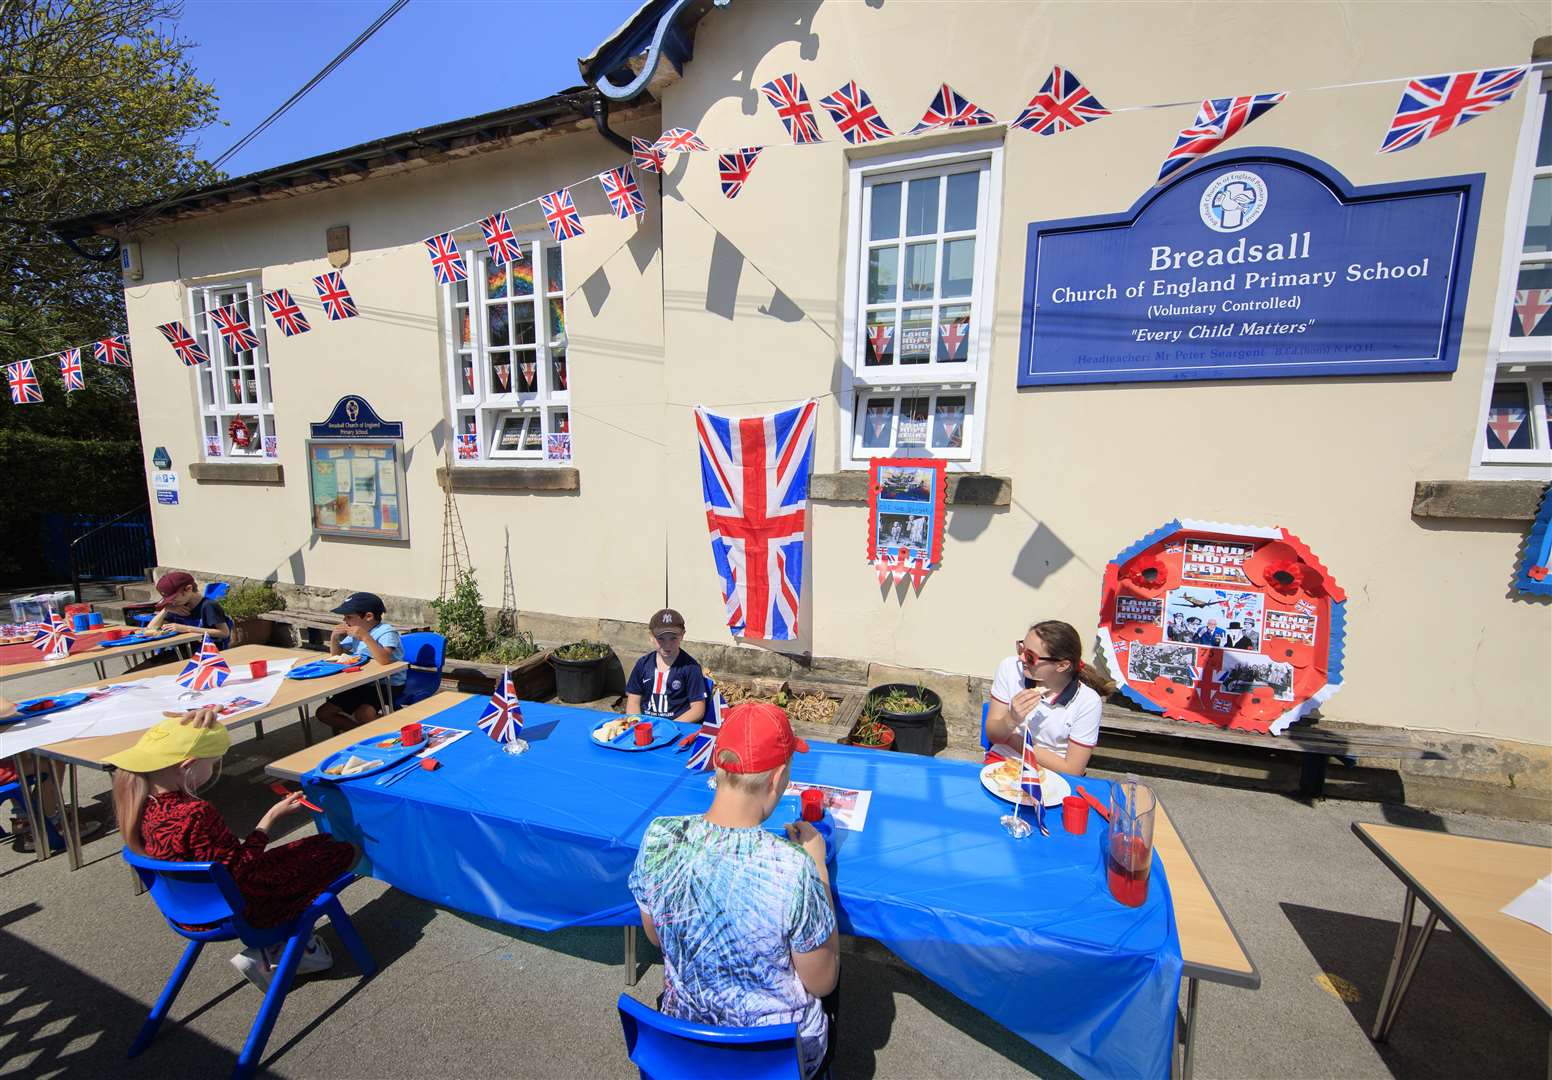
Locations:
(790, 101)
(624, 196)
(734, 169)
(70, 370)
(112, 350)
(1434, 104)
(949, 108)
(881, 339)
(24, 383)
(854, 114)
(1503, 424)
(646, 156)
(183, 343)
(501, 240)
(1062, 104)
(446, 259)
(337, 301)
(754, 477)
(1530, 307)
(952, 335)
(284, 313)
(1217, 121)
(679, 141)
(560, 214)
(234, 328)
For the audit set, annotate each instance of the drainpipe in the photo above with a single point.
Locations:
(601, 122)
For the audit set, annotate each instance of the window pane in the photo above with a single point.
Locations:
(1532, 315)
(533, 434)
(916, 336)
(528, 372)
(1546, 408)
(501, 373)
(461, 292)
(495, 281)
(498, 326)
(963, 191)
(885, 224)
(523, 323)
(1508, 417)
(466, 373)
(920, 260)
(954, 333)
(958, 267)
(877, 419)
(557, 318)
(948, 422)
(1544, 146)
(522, 274)
(464, 330)
(1538, 222)
(879, 347)
(913, 424)
(883, 273)
(554, 277)
(562, 421)
(558, 370)
(921, 207)
(509, 436)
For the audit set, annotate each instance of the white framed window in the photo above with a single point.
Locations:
(508, 381)
(1514, 432)
(236, 403)
(921, 248)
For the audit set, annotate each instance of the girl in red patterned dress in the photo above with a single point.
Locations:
(160, 815)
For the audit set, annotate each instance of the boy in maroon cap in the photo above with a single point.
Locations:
(744, 917)
(183, 607)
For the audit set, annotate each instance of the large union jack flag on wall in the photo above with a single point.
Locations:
(790, 101)
(1217, 121)
(1062, 104)
(855, 115)
(754, 476)
(1433, 104)
(950, 108)
(112, 350)
(70, 370)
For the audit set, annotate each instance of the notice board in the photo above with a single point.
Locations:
(357, 488)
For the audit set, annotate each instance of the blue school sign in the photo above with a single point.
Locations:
(354, 418)
(1256, 264)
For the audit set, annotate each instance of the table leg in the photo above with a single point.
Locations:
(102, 673)
(384, 697)
(307, 727)
(72, 820)
(1396, 988)
(630, 956)
(1188, 1032)
(34, 813)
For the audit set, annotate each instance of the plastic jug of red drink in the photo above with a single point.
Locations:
(1129, 847)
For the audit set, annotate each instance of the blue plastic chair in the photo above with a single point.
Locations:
(12, 793)
(214, 590)
(986, 708)
(204, 894)
(664, 1048)
(424, 652)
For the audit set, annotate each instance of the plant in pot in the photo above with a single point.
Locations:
(244, 605)
(580, 674)
(911, 712)
(869, 732)
(511, 649)
(461, 619)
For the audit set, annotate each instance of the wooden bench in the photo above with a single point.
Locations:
(323, 621)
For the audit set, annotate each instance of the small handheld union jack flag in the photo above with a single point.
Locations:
(70, 370)
(1434, 104)
(54, 639)
(501, 240)
(704, 741)
(790, 101)
(284, 313)
(1029, 783)
(112, 350)
(734, 169)
(1217, 121)
(502, 719)
(679, 141)
(206, 669)
(337, 301)
(950, 108)
(624, 196)
(446, 259)
(560, 214)
(235, 331)
(1062, 104)
(24, 383)
(854, 114)
(646, 156)
(189, 351)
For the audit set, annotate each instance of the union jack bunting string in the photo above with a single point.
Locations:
(1530, 307)
(734, 169)
(646, 156)
(679, 141)
(854, 114)
(70, 370)
(560, 214)
(1217, 121)
(1062, 104)
(284, 313)
(112, 350)
(1029, 780)
(24, 383)
(1434, 104)
(502, 719)
(54, 639)
(189, 351)
(235, 331)
(500, 239)
(337, 301)
(790, 101)
(206, 669)
(624, 196)
(949, 108)
(446, 259)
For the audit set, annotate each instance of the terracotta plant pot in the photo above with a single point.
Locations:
(252, 631)
(887, 744)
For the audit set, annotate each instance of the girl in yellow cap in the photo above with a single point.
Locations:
(161, 815)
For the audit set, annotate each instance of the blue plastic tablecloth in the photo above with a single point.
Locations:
(1024, 930)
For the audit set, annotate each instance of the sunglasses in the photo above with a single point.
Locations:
(1029, 657)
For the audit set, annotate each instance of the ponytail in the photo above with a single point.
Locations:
(1062, 643)
(130, 792)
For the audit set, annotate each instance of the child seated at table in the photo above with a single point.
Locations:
(1046, 692)
(155, 798)
(362, 632)
(667, 682)
(184, 607)
(744, 917)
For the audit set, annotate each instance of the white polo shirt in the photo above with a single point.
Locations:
(1073, 716)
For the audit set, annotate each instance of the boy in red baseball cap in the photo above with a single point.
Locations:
(744, 917)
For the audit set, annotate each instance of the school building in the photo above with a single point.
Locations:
(1415, 487)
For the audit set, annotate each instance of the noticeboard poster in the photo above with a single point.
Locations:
(357, 488)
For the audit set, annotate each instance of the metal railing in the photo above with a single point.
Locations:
(118, 549)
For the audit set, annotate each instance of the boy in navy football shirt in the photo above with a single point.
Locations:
(667, 683)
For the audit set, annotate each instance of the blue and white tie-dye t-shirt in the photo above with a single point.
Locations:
(731, 906)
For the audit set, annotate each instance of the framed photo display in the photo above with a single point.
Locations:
(905, 516)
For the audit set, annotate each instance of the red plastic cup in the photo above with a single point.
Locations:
(410, 734)
(813, 804)
(643, 732)
(258, 668)
(1075, 815)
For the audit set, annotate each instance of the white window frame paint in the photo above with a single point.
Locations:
(489, 406)
(1512, 359)
(212, 379)
(931, 378)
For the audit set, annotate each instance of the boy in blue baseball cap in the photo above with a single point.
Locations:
(362, 632)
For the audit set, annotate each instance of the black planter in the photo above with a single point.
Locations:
(577, 681)
(913, 731)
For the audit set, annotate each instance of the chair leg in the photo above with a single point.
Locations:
(350, 938)
(269, 1011)
(169, 993)
(258, 729)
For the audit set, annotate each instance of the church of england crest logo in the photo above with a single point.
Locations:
(1233, 201)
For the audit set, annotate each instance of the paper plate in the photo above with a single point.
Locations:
(663, 733)
(61, 702)
(1053, 787)
(366, 750)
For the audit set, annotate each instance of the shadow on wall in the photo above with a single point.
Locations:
(1041, 556)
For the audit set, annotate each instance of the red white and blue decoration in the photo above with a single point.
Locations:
(502, 719)
(1237, 626)
(949, 108)
(54, 639)
(855, 115)
(1530, 307)
(23, 381)
(790, 101)
(206, 669)
(704, 740)
(1535, 573)
(1062, 104)
(468, 447)
(560, 214)
(446, 259)
(191, 352)
(646, 156)
(113, 351)
(953, 336)
(70, 370)
(500, 240)
(1434, 104)
(1505, 425)
(234, 329)
(734, 169)
(623, 194)
(906, 498)
(1029, 782)
(337, 302)
(1217, 121)
(679, 141)
(284, 313)
(754, 479)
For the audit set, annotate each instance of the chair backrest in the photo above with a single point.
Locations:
(214, 590)
(664, 1048)
(986, 707)
(189, 893)
(424, 650)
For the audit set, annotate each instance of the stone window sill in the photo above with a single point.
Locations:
(230, 472)
(964, 489)
(1477, 500)
(477, 481)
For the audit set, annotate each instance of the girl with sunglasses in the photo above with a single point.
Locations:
(1046, 690)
